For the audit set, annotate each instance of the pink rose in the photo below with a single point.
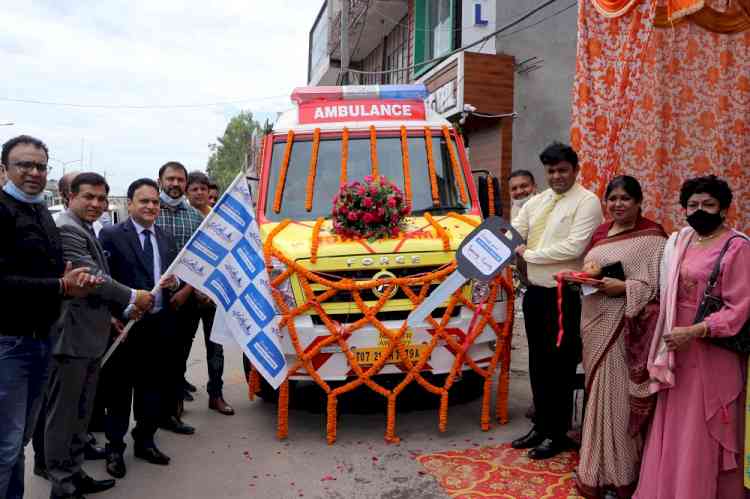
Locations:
(373, 189)
(391, 202)
(368, 179)
(343, 210)
(361, 190)
(368, 218)
(353, 216)
(367, 202)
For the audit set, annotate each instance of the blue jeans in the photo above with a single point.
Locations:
(24, 368)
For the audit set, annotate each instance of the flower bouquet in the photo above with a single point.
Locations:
(371, 209)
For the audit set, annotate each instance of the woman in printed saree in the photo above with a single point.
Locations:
(694, 446)
(617, 324)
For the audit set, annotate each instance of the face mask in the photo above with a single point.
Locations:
(13, 191)
(704, 222)
(169, 201)
(518, 203)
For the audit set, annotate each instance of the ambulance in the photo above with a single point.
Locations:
(348, 128)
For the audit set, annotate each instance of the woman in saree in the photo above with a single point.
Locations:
(616, 327)
(694, 447)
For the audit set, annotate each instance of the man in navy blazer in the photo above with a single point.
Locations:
(139, 253)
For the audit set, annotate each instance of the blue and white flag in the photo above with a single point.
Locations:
(224, 260)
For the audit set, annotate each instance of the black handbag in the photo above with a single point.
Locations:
(711, 303)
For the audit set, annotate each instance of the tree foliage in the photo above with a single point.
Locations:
(229, 152)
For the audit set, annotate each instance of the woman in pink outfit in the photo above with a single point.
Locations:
(694, 449)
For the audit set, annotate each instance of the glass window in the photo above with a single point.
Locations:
(390, 165)
(434, 30)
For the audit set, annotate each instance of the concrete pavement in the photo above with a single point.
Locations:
(240, 457)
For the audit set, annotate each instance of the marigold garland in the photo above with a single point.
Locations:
(344, 155)
(491, 195)
(374, 150)
(440, 231)
(431, 167)
(310, 191)
(339, 335)
(315, 243)
(454, 164)
(282, 174)
(405, 164)
(253, 383)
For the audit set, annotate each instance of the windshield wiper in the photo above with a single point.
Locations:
(438, 208)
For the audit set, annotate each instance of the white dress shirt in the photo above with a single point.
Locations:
(566, 234)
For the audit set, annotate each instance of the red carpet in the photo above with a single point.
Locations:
(502, 472)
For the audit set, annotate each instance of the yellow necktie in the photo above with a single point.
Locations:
(538, 225)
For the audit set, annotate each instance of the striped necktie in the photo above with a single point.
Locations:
(540, 223)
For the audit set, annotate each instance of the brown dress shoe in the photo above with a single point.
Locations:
(218, 404)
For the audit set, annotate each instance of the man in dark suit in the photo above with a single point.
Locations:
(139, 253)
(33, 282)
(82, 340)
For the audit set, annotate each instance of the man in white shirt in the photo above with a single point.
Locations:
(522, 187)
(557, 225)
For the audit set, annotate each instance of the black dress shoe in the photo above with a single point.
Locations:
(88, 485)
(550, 448)
(187, 396)
(176, 425)
(152, 455)
(531, 439)
(116, 465)
(92, 452)
(189, 386)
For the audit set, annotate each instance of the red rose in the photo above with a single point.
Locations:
(343, 210)
(404, 210)
(368, 218)
(367, 202)
(391, 202)
(395, 218)
(395, 231)
(373, 189)
(361, 190)
(353, 216)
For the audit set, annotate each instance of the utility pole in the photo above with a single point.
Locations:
(344, 42)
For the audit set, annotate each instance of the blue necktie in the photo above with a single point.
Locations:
(148, 253)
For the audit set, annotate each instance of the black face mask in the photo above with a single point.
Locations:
(704, 222)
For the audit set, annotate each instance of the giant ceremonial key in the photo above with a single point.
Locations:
(481, 256)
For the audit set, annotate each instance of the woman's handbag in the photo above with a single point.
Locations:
(711, 303)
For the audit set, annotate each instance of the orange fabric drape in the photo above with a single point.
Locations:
(734, 20)
(662, 105)
(614, 8)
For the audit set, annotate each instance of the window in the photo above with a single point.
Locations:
(397, 52)
(434, 30)
(390, 166)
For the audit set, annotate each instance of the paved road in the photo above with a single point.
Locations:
(240, 457)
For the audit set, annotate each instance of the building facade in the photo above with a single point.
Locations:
(509, 93)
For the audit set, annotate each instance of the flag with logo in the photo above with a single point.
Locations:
(224, 260)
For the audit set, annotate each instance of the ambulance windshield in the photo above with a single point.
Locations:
(390, 165)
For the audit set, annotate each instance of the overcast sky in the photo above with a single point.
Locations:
(146, 53)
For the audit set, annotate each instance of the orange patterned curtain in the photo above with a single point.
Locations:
(663, 105)
(613, 8)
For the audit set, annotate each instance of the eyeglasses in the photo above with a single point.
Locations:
(27, 166)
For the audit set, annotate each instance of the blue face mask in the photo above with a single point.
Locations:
(169, 201)
(16, 193)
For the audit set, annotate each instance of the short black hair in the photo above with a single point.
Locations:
(176, 165)
(140, 183)
(557, 152)
(198, 177)
(712, 185)
(213, 186)
(88, 178)
(628, 184)
(522, 173)
(22, 139)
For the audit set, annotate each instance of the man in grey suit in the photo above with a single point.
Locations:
(82, 339)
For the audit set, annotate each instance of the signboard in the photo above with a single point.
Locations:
(361, 110)
(445, 85)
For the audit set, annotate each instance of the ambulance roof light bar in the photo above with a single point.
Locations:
(303, 95)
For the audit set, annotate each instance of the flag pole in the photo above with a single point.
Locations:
(170, 269)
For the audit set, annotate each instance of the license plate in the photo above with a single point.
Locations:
(369, 356)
